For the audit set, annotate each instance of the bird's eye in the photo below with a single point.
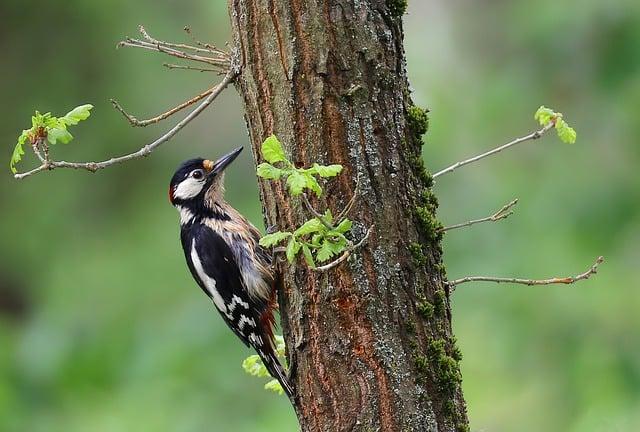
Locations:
(197, 174)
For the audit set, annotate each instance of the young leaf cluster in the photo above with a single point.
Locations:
(48, 129)
(565, 132)
(253, 366)
(298, 179)
(318, 239)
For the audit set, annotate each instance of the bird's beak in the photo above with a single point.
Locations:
(218, 166)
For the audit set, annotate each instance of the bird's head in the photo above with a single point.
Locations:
(198, 183)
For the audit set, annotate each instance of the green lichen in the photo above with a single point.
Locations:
(463, 428)
(425, 309)
(420, 170)
(416, 252)
(449, 408)
(410, 327)
(456, 353)
(397, 7)
(441, 268)
(439, 302)
(428, 224)
(446, 367)
(418, 119)
(422, 364)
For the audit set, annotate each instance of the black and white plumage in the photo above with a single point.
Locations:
(222, 252)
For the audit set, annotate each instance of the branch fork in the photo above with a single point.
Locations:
(220, 60)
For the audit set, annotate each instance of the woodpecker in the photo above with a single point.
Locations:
(222, 252)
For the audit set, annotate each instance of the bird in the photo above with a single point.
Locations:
(225, 258)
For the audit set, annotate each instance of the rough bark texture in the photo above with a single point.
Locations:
(370, 342)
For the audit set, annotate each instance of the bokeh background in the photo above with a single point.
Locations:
(102, 328)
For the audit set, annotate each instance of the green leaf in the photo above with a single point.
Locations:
(18, 151)
(306, 252)
(310, 226)
(344, 226)
(565, 132)
(313, 184)
(330, 249)
(77, 114)
(544, 115)
(293, 247)
(296, 183)
(253, 366)
(327, 170)
(59, 134)
(272, 150)
(273, 239)
(328, 216)
(274, 386)
(316, 240)
(268, 171)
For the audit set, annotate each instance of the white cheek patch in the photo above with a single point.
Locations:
(188, 188)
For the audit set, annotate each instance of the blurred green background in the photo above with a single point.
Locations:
(102, 328)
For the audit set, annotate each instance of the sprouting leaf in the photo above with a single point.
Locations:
(293, 247)
(329, 249)
(77, 114)
(18, 151)
(327, 170)
(272, 150)
(544, 115)
(328, 216)
(310, 226)
(274, 386)
(59, 134)
(344, 226)
(273, 239)
(296, 182)
(312, 183)
(253, 366)
(308, 257)
(268, 171)
(565, 132)
(316, 239)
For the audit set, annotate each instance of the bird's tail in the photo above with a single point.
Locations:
(273, 365)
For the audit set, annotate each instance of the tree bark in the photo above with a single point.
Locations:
(370, 342)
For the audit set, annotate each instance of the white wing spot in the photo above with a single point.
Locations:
(237, 301)
(244, 320)
(255, 339)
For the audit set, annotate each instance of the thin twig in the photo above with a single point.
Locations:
(345, 254)
(187, 67)
(562, 280)
(503, 213)
(220, 62)
(207, 46)
(315, 213)
(349, 205)
(532, 136)
(144, 151)
(141, 123)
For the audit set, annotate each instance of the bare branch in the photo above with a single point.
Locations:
(187, 67)
(352, 201)
(532, 136)
(562, 280)
(345, 254)
(206, 46)
(205, 53)
(141, 123)
(144, 151)
(503, 213)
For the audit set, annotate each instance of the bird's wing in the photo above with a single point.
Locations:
(214, 268)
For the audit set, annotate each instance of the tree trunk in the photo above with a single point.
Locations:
(369, 342)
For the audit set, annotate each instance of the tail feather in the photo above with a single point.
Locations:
(271, 362)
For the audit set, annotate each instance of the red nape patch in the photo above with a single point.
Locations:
(170, 194)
